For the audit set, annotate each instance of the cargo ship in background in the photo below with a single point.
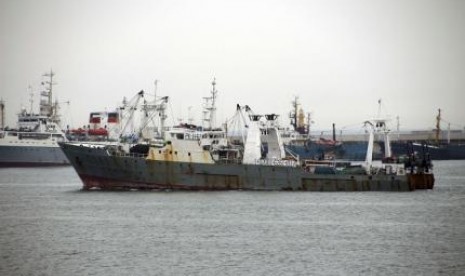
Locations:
(34, 141)
(208, 159)
(440, 144)
(298, 141)
(354, 147)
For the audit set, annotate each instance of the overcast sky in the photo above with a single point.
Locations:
(338, 56)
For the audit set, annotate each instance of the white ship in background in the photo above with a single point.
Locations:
(34, 141)
(102, 126)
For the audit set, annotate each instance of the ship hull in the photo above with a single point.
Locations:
(98, 169)
(356, 151)
(441, 152)
(31, 156)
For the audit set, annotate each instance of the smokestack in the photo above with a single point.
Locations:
(334, 132)
(2, 114)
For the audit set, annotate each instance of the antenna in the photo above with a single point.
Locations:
(46, 105)
(31, 99)
(2, 114)
(189, 115)
(438, 126)
(155, 88)
(213, 107)
(379, 109)
(294, 112)
(210, 109)
(309, 123)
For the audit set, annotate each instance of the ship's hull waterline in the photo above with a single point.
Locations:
(32, 156)
(98, 169)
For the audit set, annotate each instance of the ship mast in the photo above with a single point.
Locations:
(31, 99)
(161, 108)
(381, 126)
(129, 108)
(2, 114)
(46, 106)
(293, 115)
(309, 123)
(438, 126)
(213, 107)
(210, 109)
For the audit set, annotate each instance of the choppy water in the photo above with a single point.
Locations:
(48, 226)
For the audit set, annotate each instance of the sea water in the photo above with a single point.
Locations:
(49, 226)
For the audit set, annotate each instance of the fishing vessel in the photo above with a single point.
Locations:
(206, 159)
(34, 141)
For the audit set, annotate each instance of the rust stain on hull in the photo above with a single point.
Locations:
(422, 181)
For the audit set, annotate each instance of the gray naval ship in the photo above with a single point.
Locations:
(34, 141)
(189, 158)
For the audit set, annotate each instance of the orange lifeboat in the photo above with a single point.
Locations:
(98, 131)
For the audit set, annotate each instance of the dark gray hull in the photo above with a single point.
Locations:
(98, 169)
(31, 156)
